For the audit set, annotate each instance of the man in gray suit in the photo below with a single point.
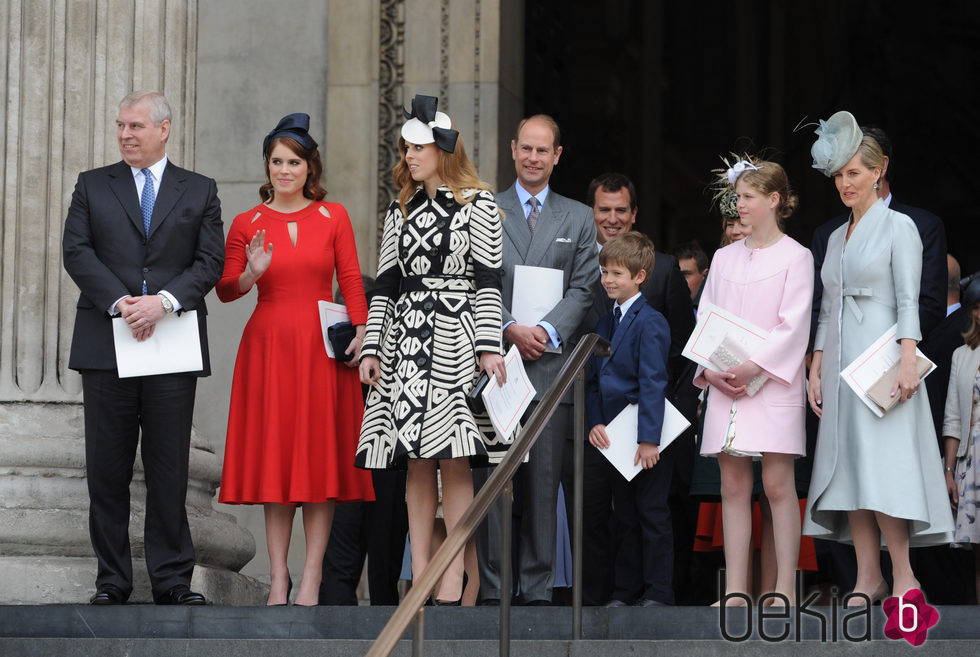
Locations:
(543, 229)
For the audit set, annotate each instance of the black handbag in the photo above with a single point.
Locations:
(340, 335)
(474, 398)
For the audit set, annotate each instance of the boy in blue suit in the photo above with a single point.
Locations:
(635, 373)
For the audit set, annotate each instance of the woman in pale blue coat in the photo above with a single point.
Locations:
(874, 479)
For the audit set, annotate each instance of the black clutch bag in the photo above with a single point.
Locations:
(340, 335)
(474, 398)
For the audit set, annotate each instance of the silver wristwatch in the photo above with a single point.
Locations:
(168, 306)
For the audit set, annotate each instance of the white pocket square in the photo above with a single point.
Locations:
(564, 240)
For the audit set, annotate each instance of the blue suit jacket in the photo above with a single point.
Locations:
(634, 373)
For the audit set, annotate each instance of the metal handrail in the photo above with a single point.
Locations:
(412, 605)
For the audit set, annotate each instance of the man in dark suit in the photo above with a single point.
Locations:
(932, 289)
(612, 197)
(543, 229)
(143, 238)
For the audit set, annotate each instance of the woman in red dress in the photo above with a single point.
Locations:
(295, 413)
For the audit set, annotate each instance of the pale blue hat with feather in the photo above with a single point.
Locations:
(838, 139)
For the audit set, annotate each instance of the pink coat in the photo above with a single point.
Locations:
(773, 289)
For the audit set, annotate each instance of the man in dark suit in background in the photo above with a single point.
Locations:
(543, 229)
(143, 239)
(614, 208)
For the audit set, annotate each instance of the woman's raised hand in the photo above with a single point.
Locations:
(258, 253)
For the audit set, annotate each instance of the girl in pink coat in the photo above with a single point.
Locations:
(766, 279)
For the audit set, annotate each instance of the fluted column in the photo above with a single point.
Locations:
(67, 64)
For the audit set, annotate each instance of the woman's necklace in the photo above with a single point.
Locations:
(752, 249)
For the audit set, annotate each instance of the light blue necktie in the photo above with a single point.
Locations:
(147, 199)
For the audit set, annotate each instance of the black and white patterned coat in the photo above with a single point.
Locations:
(435, 308)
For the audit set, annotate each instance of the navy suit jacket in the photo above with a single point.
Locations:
(634, 373)
(932, 288)
(108, 255)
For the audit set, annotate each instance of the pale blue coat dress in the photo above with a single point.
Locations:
(889, 464)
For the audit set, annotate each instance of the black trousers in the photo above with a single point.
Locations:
(645, 550)
(373, 529)
(598, 527)
(154, 413)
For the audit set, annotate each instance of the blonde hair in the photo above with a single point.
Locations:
(454, 170)
(871, 154)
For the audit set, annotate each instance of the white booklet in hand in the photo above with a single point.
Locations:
(330, 314)
(536, 291)
(506, 404)
(175, 346)
(722, 340)
(622, 432)
(874, 363)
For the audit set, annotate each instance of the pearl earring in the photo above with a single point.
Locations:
(876, 186)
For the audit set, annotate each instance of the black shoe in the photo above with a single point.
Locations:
(447, 603)
(108, 594)
(537, 603)
(490, 602)
(289, 591)
(647, 602)
(616, 603)
(181, 595)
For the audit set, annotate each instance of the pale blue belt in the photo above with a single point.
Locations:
(849, 293)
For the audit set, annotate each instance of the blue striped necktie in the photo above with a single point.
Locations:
(147, 199)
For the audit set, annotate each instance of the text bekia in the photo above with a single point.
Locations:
(853, 622)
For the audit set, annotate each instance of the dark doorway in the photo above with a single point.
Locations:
(659, 90)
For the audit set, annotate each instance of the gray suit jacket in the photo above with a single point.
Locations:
(564, 239)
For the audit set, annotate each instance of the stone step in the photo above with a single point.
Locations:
(216, 631)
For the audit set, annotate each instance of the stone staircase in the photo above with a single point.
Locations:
(222, 631)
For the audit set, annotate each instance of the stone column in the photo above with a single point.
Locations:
(67, 66)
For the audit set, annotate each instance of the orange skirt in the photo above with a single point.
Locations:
(709, 535)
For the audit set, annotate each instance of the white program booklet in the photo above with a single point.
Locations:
(506, 404)
(622, 432)
(175, 346)
(873, 363)
(330, 314)
(536, 291)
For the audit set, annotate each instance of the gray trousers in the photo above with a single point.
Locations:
(536, 496)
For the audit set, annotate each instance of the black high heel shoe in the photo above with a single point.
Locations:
(289, 590)
(446, 603)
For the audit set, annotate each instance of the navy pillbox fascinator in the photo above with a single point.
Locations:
(838, 139)
(425, 125)
(971, 290)
(292, 125)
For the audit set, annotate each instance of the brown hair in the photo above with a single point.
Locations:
(611, 182)
(972, 337)
(454, 170)
(632, 250)
(312, 187)
(769, 178)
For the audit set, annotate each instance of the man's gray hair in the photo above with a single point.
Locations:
(159, 107)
